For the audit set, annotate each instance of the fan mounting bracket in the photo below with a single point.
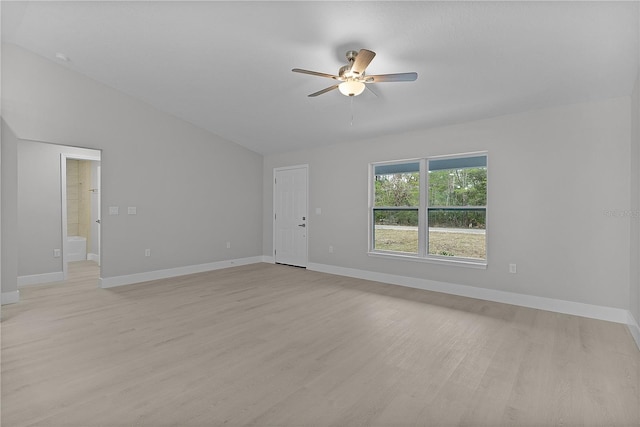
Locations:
(351, 55)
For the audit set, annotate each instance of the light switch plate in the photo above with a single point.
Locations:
(114, 210)
(132, 210)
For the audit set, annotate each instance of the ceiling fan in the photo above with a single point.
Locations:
(352, 77)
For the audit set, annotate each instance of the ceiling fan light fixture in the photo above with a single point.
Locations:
(351, 88)
(352, 76)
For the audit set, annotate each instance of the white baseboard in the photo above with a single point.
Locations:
(93, 257)
(268, 259)
(9, 297)
(37, 279)
(634, 328)
(110, 282)
(611, 314)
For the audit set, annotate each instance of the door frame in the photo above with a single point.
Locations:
(63, 200)
(304, 166)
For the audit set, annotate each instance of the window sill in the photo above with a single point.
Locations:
(431, 260)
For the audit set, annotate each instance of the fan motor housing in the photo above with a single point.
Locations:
(351, 55)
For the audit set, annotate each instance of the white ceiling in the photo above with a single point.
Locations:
(226, 66)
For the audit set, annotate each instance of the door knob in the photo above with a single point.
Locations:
(302, 225)
(98, 221)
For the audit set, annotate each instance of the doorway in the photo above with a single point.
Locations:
(290, 215)
(80, 188)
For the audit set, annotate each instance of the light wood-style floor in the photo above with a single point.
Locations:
(271, 345)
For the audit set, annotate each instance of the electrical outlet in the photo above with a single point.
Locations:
(147, 252)
(330, 249)
(228, 245)
(512, 269)
(57, 253)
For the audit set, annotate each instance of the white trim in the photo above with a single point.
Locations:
(268, 259)
(37, 279)
(634, 328)
(110, 282)
(63, 205)
(458, 262)
(10, 297)
(98, 185)
(611, 314)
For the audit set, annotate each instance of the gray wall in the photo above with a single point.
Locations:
(9, 216)
(555, 176)
(634, 260)
(193, 190)
(40, 205)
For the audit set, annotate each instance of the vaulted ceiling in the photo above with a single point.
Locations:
(226, 66)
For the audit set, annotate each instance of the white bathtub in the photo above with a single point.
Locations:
(76, 248)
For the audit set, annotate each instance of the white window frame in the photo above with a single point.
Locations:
(423, 209)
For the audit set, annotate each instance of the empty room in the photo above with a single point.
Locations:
(298, 213)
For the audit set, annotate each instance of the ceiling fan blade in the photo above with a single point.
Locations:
(315, 73)
(399, 77)
(320, 92)
(362, 61)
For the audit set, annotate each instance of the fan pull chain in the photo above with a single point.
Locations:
(352, 109)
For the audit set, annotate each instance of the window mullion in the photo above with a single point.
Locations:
(423, 239)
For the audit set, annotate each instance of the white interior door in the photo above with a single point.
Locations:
(290, 216)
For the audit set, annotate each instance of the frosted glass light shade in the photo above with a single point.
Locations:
(351, 88)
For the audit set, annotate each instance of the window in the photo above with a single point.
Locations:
(396, 207)
(440, 214)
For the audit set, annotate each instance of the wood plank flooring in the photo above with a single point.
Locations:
(271, 345)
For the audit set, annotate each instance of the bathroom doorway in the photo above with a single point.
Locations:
(80, 185)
